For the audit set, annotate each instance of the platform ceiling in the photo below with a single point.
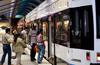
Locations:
(20, 7)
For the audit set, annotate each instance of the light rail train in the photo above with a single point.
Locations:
(71, 29)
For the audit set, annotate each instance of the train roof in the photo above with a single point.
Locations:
(51, 7)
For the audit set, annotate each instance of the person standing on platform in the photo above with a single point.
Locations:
(25, 36)
(32, 41)
(19, 46)
(6, 47)
(41, 46)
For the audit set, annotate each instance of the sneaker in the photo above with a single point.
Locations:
(39, 62)
(34, 59)
(20, 64)
(24, 53)
(13, 57)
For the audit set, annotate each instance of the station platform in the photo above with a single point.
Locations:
(25, 59)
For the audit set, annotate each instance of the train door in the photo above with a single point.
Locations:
(60, 36)
(43, 24)
(82, 28)
(46, 37)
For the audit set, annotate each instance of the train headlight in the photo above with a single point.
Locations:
(98, 57)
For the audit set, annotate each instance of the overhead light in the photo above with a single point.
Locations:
(18, 16)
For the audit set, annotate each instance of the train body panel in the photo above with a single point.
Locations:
(79, 3)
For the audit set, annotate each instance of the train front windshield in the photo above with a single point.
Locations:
(81, 28)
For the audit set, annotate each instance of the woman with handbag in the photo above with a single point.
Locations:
(40, 44)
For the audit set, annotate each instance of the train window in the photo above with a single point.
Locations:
(62, 30)
(45, 31)
(98, 18)
(81, 28)
(43, 23)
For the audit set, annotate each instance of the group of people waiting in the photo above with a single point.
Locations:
(19, 41)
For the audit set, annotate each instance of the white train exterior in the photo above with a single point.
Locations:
(86, 12)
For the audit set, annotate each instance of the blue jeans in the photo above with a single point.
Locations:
(41, 52)
(6, 50)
